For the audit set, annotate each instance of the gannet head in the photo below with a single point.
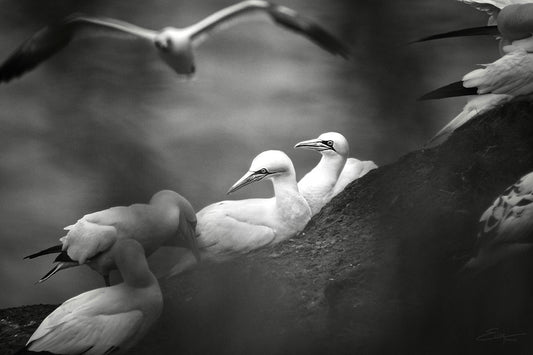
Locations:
(175, 48)
(330, 143)
(267, 165)
(187, 217)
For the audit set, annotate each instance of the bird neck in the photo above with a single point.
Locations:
(284, 185)
(132, 265)
(331, 165)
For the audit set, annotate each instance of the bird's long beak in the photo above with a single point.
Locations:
(312, 144)
(248, 178)
(465, 32)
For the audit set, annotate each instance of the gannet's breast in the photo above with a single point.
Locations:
(317, 189)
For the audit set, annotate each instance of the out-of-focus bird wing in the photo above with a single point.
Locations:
(512, 74)
(281, 15)
(98, 334)
(51, 39)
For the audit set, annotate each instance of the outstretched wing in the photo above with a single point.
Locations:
(51, 39)
(281, 15)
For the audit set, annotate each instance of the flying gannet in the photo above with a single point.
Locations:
(174, 45)
(234, 227)
(168, 220)
(105, 320)
(333, 172)
(506, 227)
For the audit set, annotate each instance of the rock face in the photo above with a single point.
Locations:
(378, 270)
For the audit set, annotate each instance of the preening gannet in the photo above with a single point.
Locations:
(506, 227)
(333, 172)
(105, 320)
(174, 45)
(233, 227)
(168, 220)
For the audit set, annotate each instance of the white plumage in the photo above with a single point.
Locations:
(333, 172)
(230, 228)
(506, 227)
(353, 170)
(105, 320)
(168, 219)
(174, 45)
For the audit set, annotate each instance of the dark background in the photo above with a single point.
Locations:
(106, 123)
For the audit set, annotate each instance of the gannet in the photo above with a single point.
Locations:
(105, 320)
(353, 170)
(168, 220)
(174, 45)
(233, 227)
(506, 227)
(332, 173)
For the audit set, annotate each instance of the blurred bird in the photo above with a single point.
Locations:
(333, 172)
(230, 228)
(174, 45)
(168, 220)
(105, 320)
(506, 227)
(475, 106)
(493, 9)
(506, 78)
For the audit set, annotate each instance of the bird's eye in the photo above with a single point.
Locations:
(329, 143)
(263, 171)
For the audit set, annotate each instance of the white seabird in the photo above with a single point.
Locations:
(174, 45)
(105, 320)
(502, 80)
(333, 172)
(506, 227)
(234, 227)
(168, 220)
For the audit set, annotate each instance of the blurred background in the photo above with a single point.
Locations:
(106, 123)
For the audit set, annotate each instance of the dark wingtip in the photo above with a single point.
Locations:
(316, 33)
(51, 250)
(451, 90)
(465, 32)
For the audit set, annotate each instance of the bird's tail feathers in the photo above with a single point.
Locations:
(58, 267)
(51, 250)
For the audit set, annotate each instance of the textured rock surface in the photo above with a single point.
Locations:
(377, 270)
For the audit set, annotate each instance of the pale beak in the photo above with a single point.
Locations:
(312, 144)
(248, 178)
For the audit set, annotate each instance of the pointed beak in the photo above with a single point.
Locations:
(312, 144)
(248, 178)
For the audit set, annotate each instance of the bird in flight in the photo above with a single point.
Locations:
(174, 45)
